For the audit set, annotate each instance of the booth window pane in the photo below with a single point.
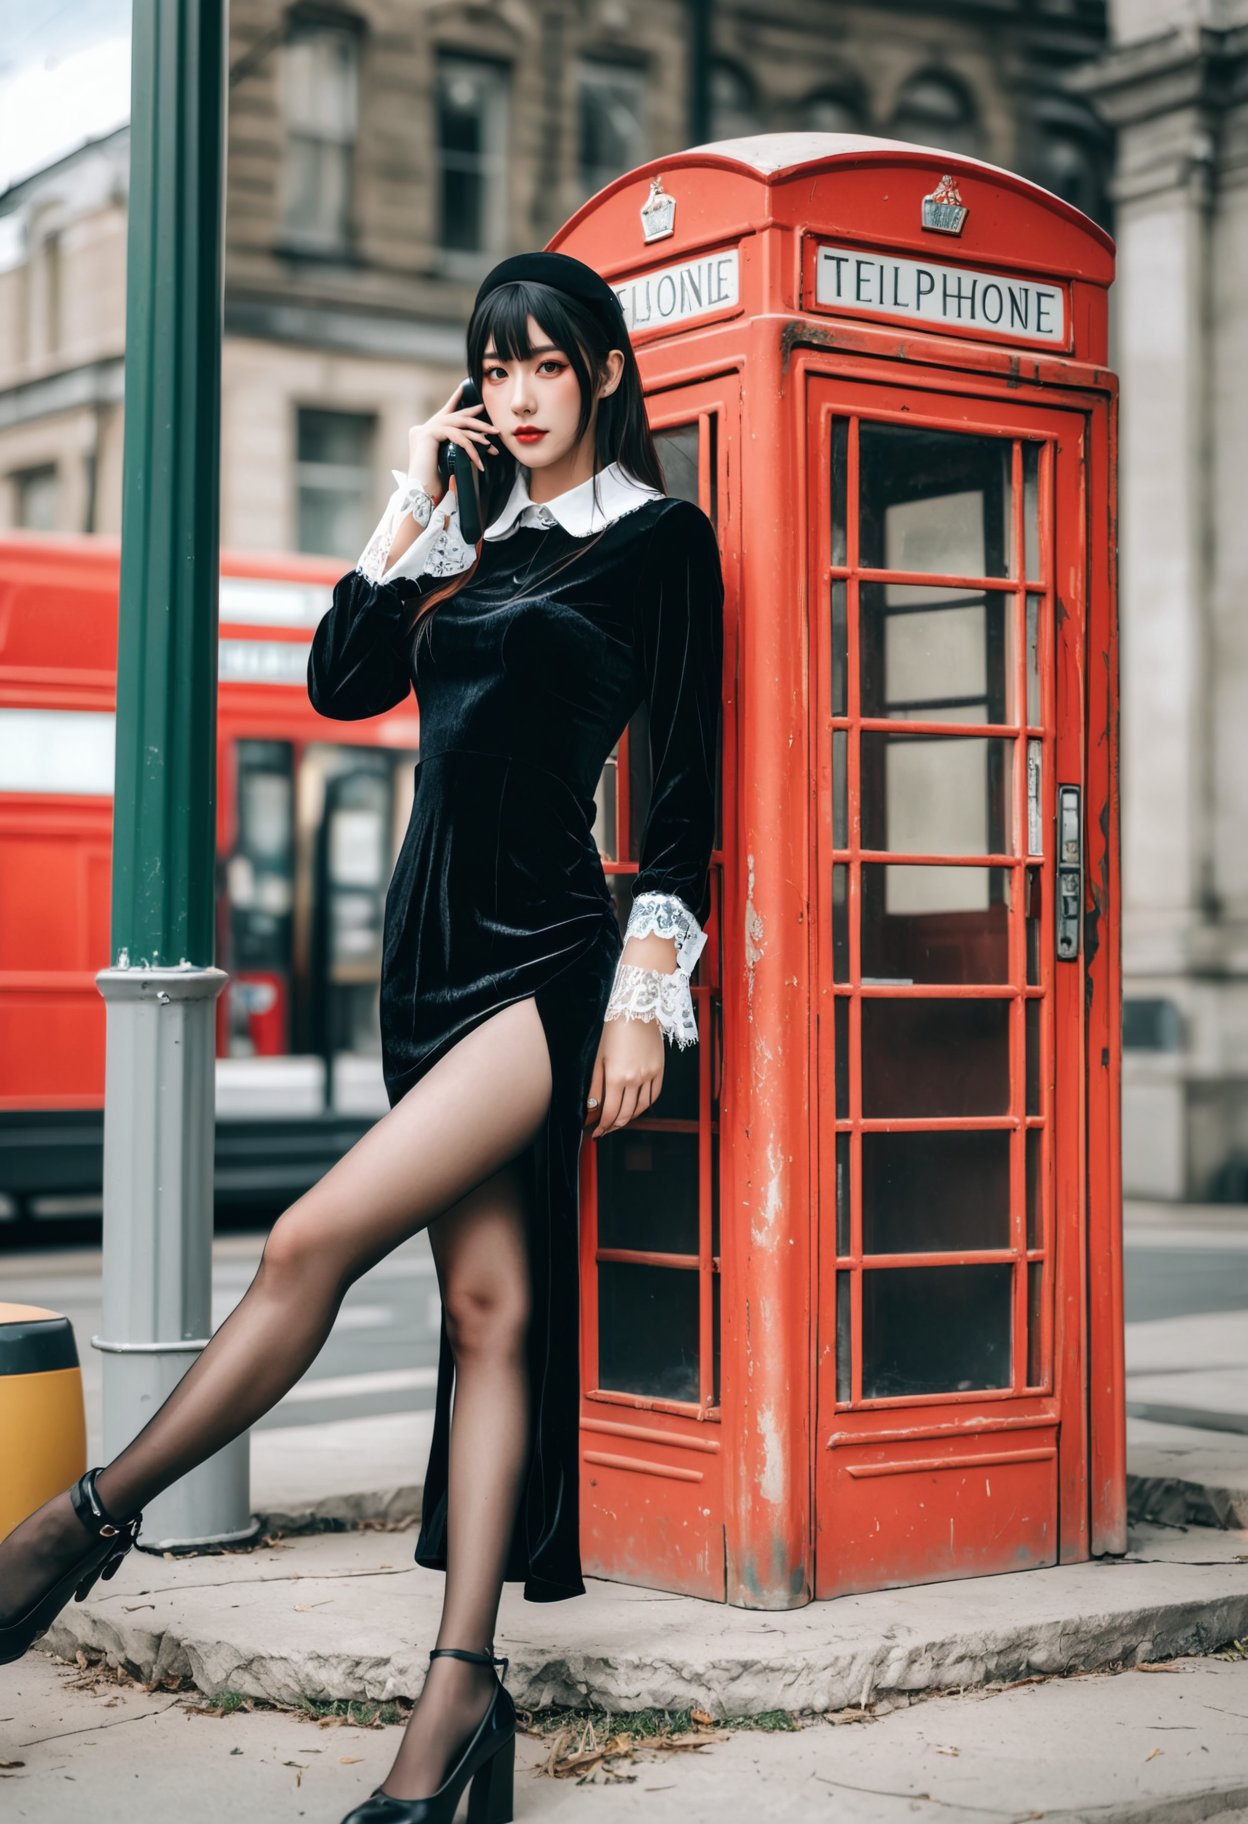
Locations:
(648, 1330)
(840, 636)
(1035, 1334)
(924, 1058)
(841, 1060)
(934, 501)
(930, 924)
(935, 1329)
(935, 655)
(936, 794)
(842, 1193)
(840, 482)
(648, 1191)
(1035, 1187)
(678, 446)
(844, 1338)
(840, 922)
(931, 1193)
(1031, 512)
(1034, 605)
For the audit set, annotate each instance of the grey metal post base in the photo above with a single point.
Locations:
(159, 1115)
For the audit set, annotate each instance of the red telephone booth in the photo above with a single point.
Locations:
(852, 1309)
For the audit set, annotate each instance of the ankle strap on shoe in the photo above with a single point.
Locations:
(478, 1659)
(91, 1510)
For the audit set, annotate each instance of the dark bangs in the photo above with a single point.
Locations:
(622, 432)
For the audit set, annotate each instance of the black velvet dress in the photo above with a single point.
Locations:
(498, 892)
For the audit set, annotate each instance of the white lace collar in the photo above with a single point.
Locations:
(575, 509)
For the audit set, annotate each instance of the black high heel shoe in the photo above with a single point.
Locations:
(488, 1760)
(119, 1536)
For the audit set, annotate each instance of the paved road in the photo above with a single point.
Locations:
(382, 1354)
(380, 1357)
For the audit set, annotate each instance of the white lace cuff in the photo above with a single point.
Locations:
(648, 994)
(670, 917)
(440, 549)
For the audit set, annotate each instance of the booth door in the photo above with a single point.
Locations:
(948, 548)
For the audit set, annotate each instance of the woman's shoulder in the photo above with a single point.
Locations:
(669, 521)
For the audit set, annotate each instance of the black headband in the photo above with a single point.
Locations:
(562, 273)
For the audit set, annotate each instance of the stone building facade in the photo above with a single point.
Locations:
(1175, 88)
(384, 153)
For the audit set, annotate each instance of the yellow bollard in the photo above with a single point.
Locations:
(43, 1421)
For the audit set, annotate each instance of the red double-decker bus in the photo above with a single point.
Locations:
(309, 817)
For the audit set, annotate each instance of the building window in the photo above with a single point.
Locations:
(839, 110)
(611, 105)
(320, 109)
(734, 105)
(1071, 155)
(36, 498)
(472, 141)
(336, 509)
(933, 110)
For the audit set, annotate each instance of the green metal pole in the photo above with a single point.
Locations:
(163, 832)
(161, 986)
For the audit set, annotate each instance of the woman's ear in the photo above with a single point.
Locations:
(614, 366)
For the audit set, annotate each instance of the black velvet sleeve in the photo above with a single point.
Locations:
(678, 611)
(360, 663)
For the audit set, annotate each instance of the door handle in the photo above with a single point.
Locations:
(1069, 871)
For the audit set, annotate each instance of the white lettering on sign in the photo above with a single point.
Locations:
(922, 290)
(262, 661)
(691, 289)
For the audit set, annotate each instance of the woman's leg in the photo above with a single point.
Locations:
(481, 1251)
(476, 1109)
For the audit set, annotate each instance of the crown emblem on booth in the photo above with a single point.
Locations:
(944, 209)
(658, 212)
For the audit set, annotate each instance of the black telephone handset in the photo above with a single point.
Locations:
(453, 459)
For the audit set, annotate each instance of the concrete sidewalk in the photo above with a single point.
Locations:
(1131, 1748)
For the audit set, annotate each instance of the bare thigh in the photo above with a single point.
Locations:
(479, 1107)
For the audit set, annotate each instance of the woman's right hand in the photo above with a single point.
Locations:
(449, 425)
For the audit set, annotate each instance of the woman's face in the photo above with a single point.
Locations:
(534, 405)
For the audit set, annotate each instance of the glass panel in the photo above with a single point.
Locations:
(840, 789)
(1031, 510)
(840, 636)
(935, 655)
(716, 1335)
(606, 807)
(841, 1066)
(925, 1193)
(934, 501)
(1035, 1338)
(934, 1058)
(1033, 911)
(844, 1338)
(1035, 798)
(840, 922)
(1035, 1188)
(842, 1194)
(648, 1190)
(928, 924)
(1034, 605)
(937, 794)
(648, 1330)
(1035, 1088)
(935, 1329)
(840, 470)
(678, 452)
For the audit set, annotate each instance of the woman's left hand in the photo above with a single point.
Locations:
(628, 1073)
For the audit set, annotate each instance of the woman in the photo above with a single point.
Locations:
(512, 1019)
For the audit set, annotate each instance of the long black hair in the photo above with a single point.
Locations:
(621, 431)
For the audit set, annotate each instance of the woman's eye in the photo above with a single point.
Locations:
(491, 371)
(556, 366)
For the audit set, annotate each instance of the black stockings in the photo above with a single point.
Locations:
(446, 1158)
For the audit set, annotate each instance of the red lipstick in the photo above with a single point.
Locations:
(528, 435)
